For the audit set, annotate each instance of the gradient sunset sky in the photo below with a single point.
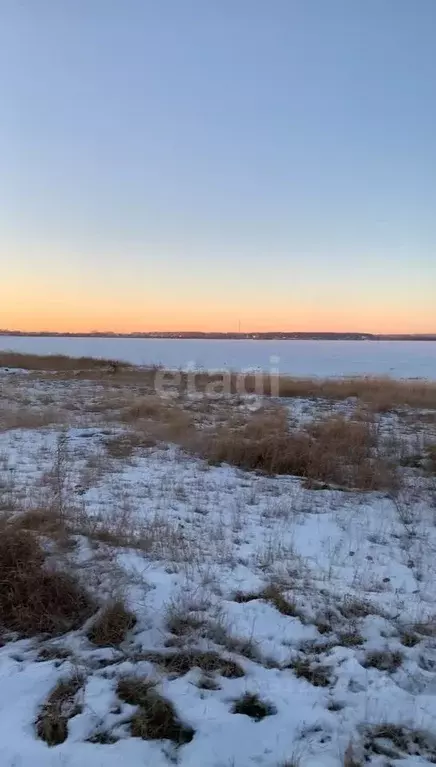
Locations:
(193, 164)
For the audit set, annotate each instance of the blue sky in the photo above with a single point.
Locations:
(192, 163)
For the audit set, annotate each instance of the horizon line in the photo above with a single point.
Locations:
(211, 333)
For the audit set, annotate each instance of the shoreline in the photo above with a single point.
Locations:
(425, 337)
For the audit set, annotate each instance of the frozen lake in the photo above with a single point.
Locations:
(400, 359)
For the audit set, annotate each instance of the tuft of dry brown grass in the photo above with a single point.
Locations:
(61, 705)
(124, 445)
(45, 521)
(251, 705)
(350, 638)
(209, 662)
(33, 598)
(273, 594)
(146, 407)
(338, 451)
(158, 418)
(134, 690)
(314, 673)
(409, 638)
(384, 660)
(353, 608)
(207, 682)
(155, 718)
(111, 626)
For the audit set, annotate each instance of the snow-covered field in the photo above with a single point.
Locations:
(323, 598)
(400, 359)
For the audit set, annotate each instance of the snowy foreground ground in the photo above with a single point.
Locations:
(323, 598)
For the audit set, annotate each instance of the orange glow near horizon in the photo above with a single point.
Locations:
(57, 318)
(123, 302)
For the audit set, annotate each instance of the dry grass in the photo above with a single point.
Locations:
(209, 662)
(338, 451)
(124, 445)
(27, 418)
(350, 758)
(155, 718)
(409, 638)
(147, 407)
(426, 628)
(102, 737)
(53, 653)
(183, 623)
(251, 705)
(158, 418)
(275, 596)
(395, 741)
(247, 647)
(380, 393)
(352, 608)
(242, 597)
(55, 362)
(134, 690)
(33, 598)
(61, 705)
(159, 536)
(350, 638)
(315, 674)
(384, 660)
(431, 458)
(45, 521)
(207, 682)
(112, 625)
(158, 721)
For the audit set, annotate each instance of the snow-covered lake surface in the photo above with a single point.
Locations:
(400, 359)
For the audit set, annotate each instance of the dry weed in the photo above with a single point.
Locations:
(33, 598)
(275, 596)
(209, 662)
(155, 718)
(337, 451)
(380, 393)
(56, 362)
(124, 445)
(111, 625)
(316, 674)
(60, 706)
(251, 705)
(384, 660)
(29, 418)
(395, 741)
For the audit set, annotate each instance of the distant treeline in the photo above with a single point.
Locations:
(270, 336)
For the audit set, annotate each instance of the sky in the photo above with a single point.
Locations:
(216, 164)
